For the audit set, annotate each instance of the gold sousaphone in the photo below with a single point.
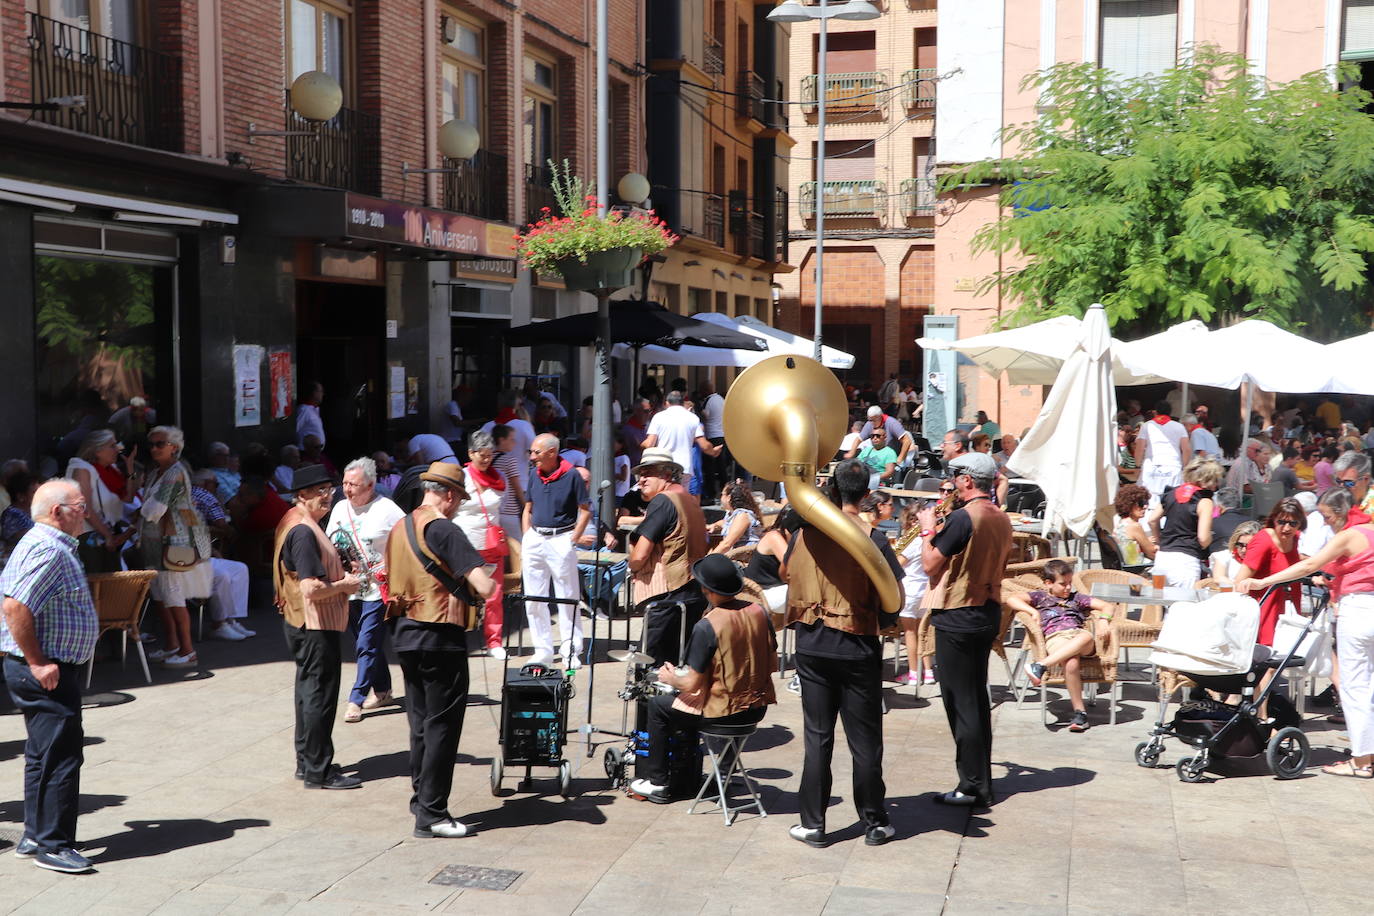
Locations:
(784, 417)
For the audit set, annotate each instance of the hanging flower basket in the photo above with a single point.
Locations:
(592, 252)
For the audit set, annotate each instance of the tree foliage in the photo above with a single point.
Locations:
(1202, 192)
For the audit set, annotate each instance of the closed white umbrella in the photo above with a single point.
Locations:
(1070, 451)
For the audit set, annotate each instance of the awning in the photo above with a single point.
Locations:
(358, 220)
(126, 209)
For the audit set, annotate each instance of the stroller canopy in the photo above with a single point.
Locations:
(1216, 636)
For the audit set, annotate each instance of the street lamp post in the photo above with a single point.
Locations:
(793, 11)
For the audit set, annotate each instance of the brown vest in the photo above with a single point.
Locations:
(974, 576)
(741, 672)
(825, 583)
(313, 614)
(670, 562)
(415, 593)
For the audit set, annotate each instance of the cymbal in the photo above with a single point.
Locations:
(630, 656)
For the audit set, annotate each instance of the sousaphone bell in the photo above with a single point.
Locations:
(784, 417)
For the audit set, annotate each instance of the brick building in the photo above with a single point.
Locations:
(188, 237)
(880, 98)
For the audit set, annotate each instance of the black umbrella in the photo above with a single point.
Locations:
(635, 322)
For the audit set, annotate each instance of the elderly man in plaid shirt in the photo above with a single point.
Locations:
(47, 633)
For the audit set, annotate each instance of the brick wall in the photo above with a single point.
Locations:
(14, 29)
(175, 30)
(254, 60)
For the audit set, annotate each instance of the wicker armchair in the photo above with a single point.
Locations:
(1130, 634)
(1034, 566)
(742, 555)
(1095, 669)
(1027, 547)
(119, 599)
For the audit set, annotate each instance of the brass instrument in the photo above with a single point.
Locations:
(784, 417)
(905, 538)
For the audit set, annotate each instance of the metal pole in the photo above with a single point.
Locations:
(601, 394)
(603, 110)
(821, 90)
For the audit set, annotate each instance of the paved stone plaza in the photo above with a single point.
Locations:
(189, 806)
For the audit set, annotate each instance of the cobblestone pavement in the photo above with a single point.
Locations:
(189, 806)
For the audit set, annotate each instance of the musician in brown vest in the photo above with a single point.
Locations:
(663, 548)
(312, 595)
(727, 678)
(437, 582)
(833, 608)
(970, 553)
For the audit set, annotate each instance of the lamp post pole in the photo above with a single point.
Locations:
(602, 492)
(821, 92)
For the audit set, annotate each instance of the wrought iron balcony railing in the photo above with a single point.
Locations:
(919, 87)
(478, 187)
(713, 219)
(852, 199)
(846, 90)
(342, 152)
(918, 196)
(750, 98)
(713, 59)
(538, 192)
(133, 95)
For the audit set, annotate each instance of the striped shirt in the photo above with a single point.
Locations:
(508, 465)
(206, 504)
(45, 576)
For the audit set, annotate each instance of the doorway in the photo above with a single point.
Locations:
(340, 343)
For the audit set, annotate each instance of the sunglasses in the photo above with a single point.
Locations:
(1286, 521)
(1349, 484)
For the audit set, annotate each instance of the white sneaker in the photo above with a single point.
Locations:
(497, 652)
(648, 790)
(541, 658)
(572, 662)
(227, 632)
(157, 655)
(242, 630)
(180, 661)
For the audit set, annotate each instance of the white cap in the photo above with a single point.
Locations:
(875, 411)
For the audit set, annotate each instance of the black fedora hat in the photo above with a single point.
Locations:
(718, 573)
(310, 475)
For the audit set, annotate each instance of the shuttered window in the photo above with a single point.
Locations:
(1139, 37)
(1357, 30)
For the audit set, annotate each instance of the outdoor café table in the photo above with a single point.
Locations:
(898, 493)
(1149, 596)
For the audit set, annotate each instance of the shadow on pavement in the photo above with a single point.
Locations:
(1021, 779)
(15, 748)
(537, 810)
(381, 766)
(14, 810)
(155, 838)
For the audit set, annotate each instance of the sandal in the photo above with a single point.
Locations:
(1348, 768)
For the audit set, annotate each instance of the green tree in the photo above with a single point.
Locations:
(1203, 192)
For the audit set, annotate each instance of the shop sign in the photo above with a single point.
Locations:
(398, 223)
(501, 269)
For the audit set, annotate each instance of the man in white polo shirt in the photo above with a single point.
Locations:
(676, 428)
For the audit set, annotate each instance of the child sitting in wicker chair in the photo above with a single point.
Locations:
(1069, 621)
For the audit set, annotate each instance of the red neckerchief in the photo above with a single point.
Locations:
(1195, 426)
(113, 478)
(1184, 492)
(490, 478)
(505, 415)
(564, 466)
(635, 423)
(1162, 418)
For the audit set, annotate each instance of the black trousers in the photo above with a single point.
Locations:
(962, 662)
(663, 718)
(436, 698)
(715, 472)
(318, 660)
(851, 690)
(663, 623)
(52, 753)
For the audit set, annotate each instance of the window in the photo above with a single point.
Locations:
(464, 73)
(847, 160)
(1357, 32)
(540, 116)
(1139, 37)
(117, 19)
(317, 39)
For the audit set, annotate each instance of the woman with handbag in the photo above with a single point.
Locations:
(106, 487)
(174, 541)
(480, 520)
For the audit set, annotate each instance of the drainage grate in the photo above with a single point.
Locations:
(476, 876)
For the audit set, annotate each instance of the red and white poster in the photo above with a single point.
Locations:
(279, 367)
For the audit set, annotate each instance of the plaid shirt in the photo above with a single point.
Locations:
(44, 575)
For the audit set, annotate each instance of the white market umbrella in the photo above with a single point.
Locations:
(1070, 451)
(1031, 355)
(689, 355)
(1351, 362)
(831, 358)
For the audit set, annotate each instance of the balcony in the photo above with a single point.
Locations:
(538, 192)
(919, 87)
(713, 218)
(846, 90)
(749, 101)
(133, 95)
(478, 187)
(713, 59)
(848, 199)
(918, 197)
(342, 152)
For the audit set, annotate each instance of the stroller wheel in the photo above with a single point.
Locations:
(1191, 769)
(1147, 755)
(497, 771)
(611, 762)
(1287, 753)
(565, 779)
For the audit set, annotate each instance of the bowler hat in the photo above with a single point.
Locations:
(310, 475)
(654, 457)
(718, 573)
(447, 473)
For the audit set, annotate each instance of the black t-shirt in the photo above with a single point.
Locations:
(450, 545)
(301, 554)
(953, 539)
(660, 519)
(1225, 524)
(1179, 534)
(828, 642)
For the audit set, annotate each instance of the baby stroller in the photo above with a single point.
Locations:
(1212, 642)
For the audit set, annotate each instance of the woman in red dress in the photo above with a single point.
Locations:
(1272, 550)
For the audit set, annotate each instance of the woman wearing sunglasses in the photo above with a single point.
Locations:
(1273, 549)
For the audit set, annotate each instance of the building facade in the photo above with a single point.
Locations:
(188, 236)
(880, 97)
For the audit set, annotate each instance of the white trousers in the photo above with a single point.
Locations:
(550, 568)
(1355, 646)
(1180, 570)
(229, 591)
(1159, 477)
